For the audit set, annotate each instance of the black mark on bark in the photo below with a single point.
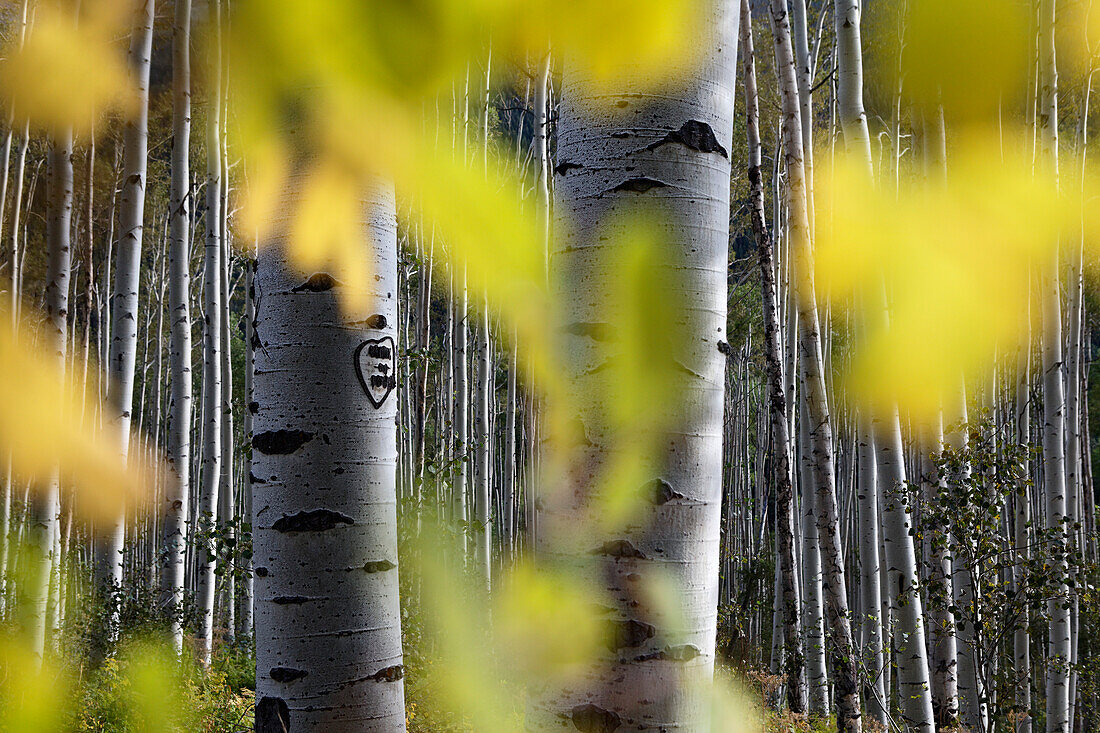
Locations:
(695, 135)
(289, 600)
(619, 548)
(379, 566)
(389, 674)
(287, 674)
(565, 166)
(594, 331)
(662, 492)
(377, 321)
(591, 719)
(280, 442)
(640, 185)
(318, 282)
(317, 520)
(272, 715)
(628, 634)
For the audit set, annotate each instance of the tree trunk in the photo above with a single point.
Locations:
(177, 486)
(666, 153)
(212, 413)
(324, 482)
(1054, 426)
(790, 603)
(124, 306)
(46, 502)
(812, 372)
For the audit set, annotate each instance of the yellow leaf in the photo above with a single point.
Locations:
(67, 73)
(43, 426)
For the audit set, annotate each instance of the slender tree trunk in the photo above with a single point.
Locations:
(1054, 418)
(813, 392)
(941, 618)
(324, 477)
(176, 490)
(789, 606)
(870, 568)
(124, 306)
(46, 502)
(248, 594)
(1021, 638)
(664, 152)
(212, 412)
(227, 497)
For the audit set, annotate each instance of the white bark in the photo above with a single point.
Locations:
(124, 297)
(941, 618)
(813, 393)
(870, 568)
(666, 153)
(787, 602)
(324, 462)
(1054, 427)
(46, 503)
(212, 413)
(177, 487)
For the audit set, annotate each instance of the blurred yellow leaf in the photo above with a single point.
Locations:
(969, 55)
(547, 620)
(67, 72)
(326, 229)
(956, 260)
(44, 426)
(33, 696)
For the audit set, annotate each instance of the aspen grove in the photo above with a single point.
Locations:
(549, 365)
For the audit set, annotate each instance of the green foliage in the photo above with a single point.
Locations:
(143, 689)
(1012, 584)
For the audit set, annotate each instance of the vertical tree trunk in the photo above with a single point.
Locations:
(789, 604)
(1054, 427)
(666, 153)
(324, 512)
(227, 510)
(1021, 638)
(46, 502)
(177, 486)
(124, 306)
(211, 352)
(941, 619)
(812, 372)
(248, 594)
(870, 568)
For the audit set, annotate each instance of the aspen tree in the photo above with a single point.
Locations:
(813, 392)
(212, 412)
(665, 153)
(899, 551)
(324, 476)
(46, 506)
(124, 296)
(1058, 702)
(789, 601)
(177, 487)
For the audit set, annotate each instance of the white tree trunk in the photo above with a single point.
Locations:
(788, 602)
(870, 568)
(175, 508)
(665, 152)
(124, 297)
(813, 394)
(46, 502)
(324, 462)
(212, 413)
(1054, 426)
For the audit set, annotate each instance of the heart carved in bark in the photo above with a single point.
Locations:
(375, 363)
